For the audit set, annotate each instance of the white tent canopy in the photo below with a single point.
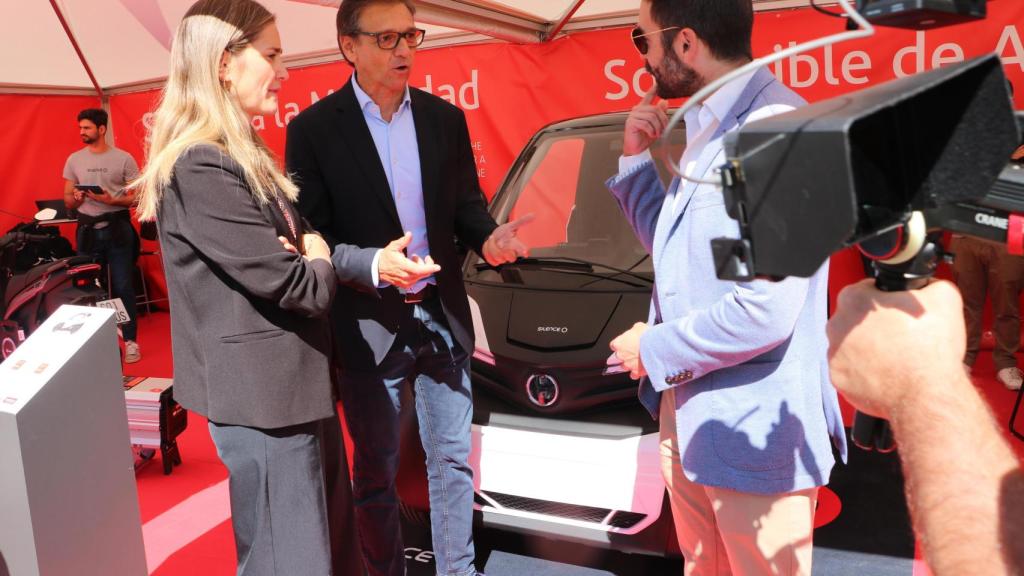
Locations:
(124, 44)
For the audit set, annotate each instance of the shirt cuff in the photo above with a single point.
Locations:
(630, 164)
(375, 271)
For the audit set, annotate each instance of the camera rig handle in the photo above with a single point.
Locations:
(906, 257)
(903, 259)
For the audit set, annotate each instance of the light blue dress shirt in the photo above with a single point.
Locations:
(399, 154)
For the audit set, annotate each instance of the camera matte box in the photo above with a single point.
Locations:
(815, 180)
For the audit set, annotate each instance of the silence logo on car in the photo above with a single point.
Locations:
(542, 390)
(559, 329)
(419, 555)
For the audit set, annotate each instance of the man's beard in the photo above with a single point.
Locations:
(675, 79)
(89, 139)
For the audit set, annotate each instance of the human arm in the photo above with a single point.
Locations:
(354, 266)
(748, 321)
(313, 247)
(473, 224)
(637, 187)
(395, 268)
(502, 246)
(898, 355)
(626, 347)
(362, 268)
(125, 199)
(472, 221)
(645, 124)
(640, 196)
(73, 198)
(216, 214)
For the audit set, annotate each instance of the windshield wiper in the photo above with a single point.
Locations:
(569, 263)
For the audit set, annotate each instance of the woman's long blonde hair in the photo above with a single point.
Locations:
(195, 106)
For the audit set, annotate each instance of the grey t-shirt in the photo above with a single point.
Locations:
(111, 170)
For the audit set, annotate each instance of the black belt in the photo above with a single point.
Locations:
(429, 291)
(89, 220)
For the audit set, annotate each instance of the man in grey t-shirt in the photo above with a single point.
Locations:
(104, 222)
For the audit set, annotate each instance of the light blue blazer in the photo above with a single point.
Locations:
(755, 409)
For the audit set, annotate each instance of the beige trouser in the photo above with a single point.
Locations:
(984, 267)
(723, 531)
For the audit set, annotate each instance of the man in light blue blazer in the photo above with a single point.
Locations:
(736, 371)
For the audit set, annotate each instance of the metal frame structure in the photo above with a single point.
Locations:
(464, 22)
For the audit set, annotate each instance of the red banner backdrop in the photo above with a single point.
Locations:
(510, 91)
(40, 132)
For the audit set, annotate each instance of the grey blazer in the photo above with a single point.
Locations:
(249, 330)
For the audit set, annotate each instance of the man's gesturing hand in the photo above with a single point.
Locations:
(627, 348)
(502, 246)
(395, 268)
(645, 124)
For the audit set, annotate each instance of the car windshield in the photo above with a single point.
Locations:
(576, 217)
(563, 185)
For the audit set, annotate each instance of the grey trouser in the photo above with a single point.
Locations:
(282, 509)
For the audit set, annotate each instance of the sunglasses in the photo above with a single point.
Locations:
(389, 40)
(640, 38)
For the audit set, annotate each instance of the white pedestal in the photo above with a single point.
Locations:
(68, 501)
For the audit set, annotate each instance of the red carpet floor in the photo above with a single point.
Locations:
(186, 517)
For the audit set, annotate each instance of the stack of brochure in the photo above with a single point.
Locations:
(142, 400)
(154, 419)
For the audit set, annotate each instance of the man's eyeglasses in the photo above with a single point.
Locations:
(640, 38)
(389, 40)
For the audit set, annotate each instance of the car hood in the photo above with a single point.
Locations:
(559, 321)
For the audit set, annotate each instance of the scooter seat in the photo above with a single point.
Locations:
(21, 281)
(78, 260)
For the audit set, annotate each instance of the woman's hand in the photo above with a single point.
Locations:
(288, 245)
(314, 246)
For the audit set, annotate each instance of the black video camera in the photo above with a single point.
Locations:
(855, 169)
(887, 169)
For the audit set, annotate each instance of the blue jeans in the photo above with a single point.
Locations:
(425, 355)
(115, 246)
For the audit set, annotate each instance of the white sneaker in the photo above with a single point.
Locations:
(1011, 378)
(132, 354)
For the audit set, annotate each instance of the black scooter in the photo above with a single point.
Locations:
(38, 274)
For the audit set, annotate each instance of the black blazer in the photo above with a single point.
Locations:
(249, 329)
(346, 197)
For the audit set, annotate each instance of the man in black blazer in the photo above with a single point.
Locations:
(387, 176)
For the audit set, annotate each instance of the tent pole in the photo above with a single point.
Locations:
(105, 104)
(78, 50)
(561, 23)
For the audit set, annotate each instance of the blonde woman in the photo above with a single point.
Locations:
(249, 295)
